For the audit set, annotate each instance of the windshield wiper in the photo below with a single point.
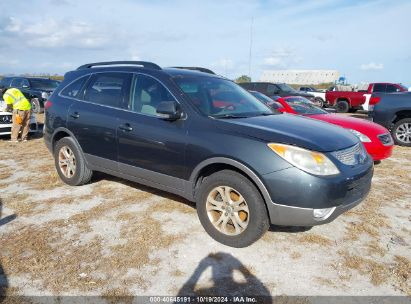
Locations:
(230, 116)
(267, 113)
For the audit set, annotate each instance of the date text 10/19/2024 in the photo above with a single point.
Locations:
(203, 299)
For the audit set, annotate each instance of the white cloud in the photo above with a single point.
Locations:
(372, 66)
(52, 33)
(8, 61)
(13, 26)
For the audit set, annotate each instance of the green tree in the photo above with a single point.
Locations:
(243, 78)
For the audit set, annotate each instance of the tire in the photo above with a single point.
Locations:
(75, 175)
(35, 106)
(342, 106)
(255, 222)
(401, 132)
(319, 101)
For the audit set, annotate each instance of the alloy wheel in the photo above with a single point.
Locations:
(67, 162)
(227, 210)
(403, 133)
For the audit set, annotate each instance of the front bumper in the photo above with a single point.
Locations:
(296, 194)
(5, 129)
(296, 216)
(380, 152)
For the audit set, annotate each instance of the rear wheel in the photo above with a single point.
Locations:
(401, 132)
(342, 106)
(70, 163)
(231, 209)
(35, 106)
(319, 102)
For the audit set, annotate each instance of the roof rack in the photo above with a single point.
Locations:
(144, 64)
(204, 70)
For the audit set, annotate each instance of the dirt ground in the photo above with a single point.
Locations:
(113, 237)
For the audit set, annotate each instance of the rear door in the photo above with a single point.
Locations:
(94, 118)
(151, 148)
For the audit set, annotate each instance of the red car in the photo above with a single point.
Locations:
(348, 100)
(376, 139)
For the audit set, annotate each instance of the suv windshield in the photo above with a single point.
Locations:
(285, 87)
(304, 106)
(221, 98)
(47, 84)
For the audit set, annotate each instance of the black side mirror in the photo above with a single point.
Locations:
(169, 110)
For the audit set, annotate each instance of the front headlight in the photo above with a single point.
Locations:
(310, 161)
(362, 137)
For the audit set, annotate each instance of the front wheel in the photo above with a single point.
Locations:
(401, 132)
(231, 209)
(70, 163)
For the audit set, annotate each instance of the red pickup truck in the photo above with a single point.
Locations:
(351, 101)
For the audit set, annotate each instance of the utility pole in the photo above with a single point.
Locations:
(251, 46)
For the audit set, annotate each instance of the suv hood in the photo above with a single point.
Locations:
(293, 130)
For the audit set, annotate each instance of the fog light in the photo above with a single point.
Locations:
(322, 214)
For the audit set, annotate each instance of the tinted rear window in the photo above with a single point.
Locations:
(47, 84)
(73, 89)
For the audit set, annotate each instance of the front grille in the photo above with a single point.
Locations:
(5, 119)
(351, 156)
(386, 139)
(4, 130)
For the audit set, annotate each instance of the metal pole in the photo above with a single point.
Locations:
(251, 46)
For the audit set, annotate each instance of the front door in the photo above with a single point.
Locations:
(149, 147)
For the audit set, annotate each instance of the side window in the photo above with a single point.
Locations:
(261, 87)
(379, 87)
(392, 88)
(16, 83)
(107, 89)
(146, 94)
(272, 89)
(73, 89)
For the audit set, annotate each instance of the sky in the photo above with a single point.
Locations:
(364, 40)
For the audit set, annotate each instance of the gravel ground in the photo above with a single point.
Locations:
(113, 237)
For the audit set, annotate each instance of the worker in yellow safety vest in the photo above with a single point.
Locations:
(21, 107)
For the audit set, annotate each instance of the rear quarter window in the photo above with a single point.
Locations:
(73, 90)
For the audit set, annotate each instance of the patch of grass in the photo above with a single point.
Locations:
(379, 273)
(355, 230)
(310, 238)
(402, 272)
(295, 255)
(325, 282)
(5, 174)
(374, 248)
(177, 273)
